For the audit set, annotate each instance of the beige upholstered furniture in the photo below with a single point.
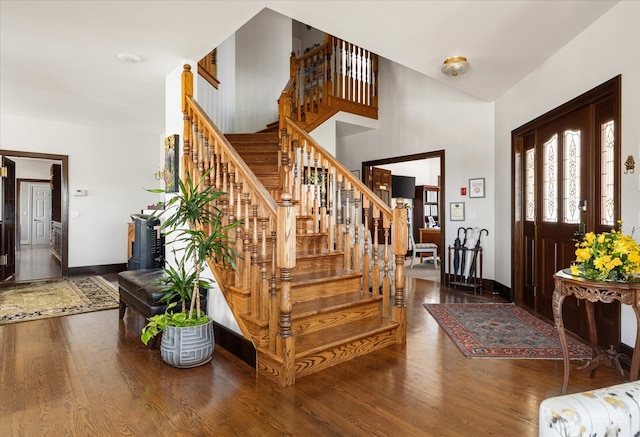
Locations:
(609, 411)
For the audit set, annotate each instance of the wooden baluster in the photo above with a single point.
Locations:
(207, 164)
(297, 179)
(255, 268)
(264, 280)
(200, 150)
(400, 236)
(347, 225)
(339, 225)
(317, 183)
(366, 259)
(376, 258)
(386, 281)
(239, 243)
(274, 304)
(218, 157)
(356, 228)
(286, 254)
(331, 218)
(308, 195)
(246, 249)
(187, 94)
(323, 197)
(374, 83)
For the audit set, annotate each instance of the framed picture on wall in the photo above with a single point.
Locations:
(171, 171)
(476, 187)
(456, 211)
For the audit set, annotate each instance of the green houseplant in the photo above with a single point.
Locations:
(200, 234)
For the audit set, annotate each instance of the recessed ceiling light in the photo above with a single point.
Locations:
(129, 58)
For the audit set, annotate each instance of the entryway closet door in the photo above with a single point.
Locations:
(566, 182)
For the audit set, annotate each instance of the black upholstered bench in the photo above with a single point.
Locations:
(138, 291)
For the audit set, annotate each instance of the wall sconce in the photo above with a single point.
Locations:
(162, 174)
(629, 165)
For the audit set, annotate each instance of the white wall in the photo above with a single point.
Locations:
(220, 103)
(263, 47)
(113, 166)
(418, 114)
(609, 47)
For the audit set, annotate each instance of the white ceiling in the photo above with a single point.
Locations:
(58, 59)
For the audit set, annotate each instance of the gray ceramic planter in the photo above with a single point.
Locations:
(187, 347)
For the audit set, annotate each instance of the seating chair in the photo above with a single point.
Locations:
(422, 249)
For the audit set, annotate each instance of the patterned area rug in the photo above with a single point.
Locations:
(497, 330)
(42, 300)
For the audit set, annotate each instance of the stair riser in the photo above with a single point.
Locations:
(253, 138)
(317, 322)
(319, 263)
(309, 243)
(306, 292)
(340, 354)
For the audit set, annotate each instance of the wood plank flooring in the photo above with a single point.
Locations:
(89, 375)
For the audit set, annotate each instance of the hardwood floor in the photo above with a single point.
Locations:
(34, 262)
(89, 374)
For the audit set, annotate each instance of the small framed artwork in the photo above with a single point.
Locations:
(456, 211)
(476, 187)
(171, 173)
(356, 173)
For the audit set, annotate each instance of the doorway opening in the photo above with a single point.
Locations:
(39, 243)
(429, 170)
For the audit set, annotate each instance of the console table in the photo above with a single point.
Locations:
(594, 291)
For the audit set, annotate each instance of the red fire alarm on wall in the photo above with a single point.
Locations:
(463, 191)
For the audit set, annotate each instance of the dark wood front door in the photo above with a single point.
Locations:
(566, 183)
(8, 226)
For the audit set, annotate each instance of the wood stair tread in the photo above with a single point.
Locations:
(334, 336)
(324, 276)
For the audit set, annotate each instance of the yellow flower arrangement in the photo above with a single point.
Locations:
(607, 256)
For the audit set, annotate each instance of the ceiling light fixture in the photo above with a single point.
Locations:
(455, 66)
(129, 58)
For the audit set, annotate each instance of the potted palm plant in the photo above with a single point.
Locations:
(200, 234)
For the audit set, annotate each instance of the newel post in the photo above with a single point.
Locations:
(187, 92)
(286, 262)
(399, 247)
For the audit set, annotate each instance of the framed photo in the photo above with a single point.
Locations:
(171, 173)
(456, 211)
(356, 173)
(476, 187)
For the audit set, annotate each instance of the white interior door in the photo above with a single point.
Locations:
(40, 213)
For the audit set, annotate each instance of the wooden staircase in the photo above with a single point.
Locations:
(301, 289)
(332, 318)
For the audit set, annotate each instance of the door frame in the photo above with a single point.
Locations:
(417, 157)
(64, 160)
(613, 88)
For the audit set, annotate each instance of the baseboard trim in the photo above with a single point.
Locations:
(97, 270)
(235, 344)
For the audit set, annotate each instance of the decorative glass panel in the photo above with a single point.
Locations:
(530, 186)
(607, 200)
(550, 179)
(571, 151)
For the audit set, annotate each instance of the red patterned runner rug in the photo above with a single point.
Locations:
(502, 330)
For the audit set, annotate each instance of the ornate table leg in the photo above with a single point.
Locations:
(558, 299)
(635, 360)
